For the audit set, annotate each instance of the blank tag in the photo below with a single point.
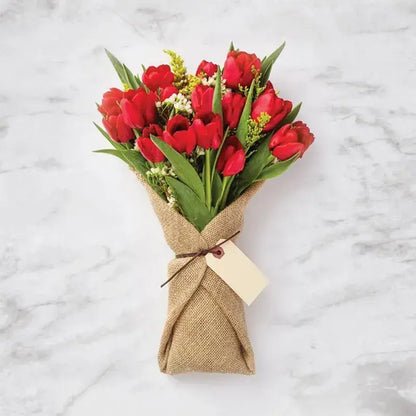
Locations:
(238, 271)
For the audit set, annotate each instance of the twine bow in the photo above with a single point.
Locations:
(216, 250)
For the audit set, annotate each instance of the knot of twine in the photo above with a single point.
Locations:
(216, 250)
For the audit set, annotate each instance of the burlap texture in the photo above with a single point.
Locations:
(205, 330)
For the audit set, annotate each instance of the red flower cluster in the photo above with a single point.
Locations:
(184, 111)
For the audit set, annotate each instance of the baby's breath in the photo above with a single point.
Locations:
(180, 103)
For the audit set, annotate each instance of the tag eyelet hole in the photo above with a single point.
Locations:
(218, 253)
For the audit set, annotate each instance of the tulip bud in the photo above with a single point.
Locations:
(179, 135)
(208, 130)
(158, 77)
(167, 92)
(206, 68)
(277, 108)
(201, 99)
(148, 149)
(232, 158)
(139, 110)
(240, 69)
(291, 139)
(110, 104)
(117, 129)
(232, 107)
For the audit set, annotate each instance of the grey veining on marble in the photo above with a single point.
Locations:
(82, 255)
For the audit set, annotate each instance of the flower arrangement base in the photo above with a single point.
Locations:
(205, 330)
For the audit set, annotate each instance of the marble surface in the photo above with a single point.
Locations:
(82, 255)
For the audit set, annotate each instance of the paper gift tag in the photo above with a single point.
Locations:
(238, 271)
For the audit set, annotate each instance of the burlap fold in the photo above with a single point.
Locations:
(205, 330)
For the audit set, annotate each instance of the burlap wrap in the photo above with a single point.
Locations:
(205, 329)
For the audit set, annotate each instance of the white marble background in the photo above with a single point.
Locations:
(82, 255)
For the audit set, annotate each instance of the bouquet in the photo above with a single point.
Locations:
(202, 144)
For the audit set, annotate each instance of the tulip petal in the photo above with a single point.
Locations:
(235, 163)
(149, 150)
(125, 133)
(130, 114)
(111, 129)
(286, 151)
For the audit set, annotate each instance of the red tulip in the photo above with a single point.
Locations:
(179, 135)
(117, 129)
(269, 86)
(239, 69)
(206, 68)
(110, 104)
(158, 77)
(208, 130)
(232, 157)
(154, 130)
(232, 107)
(201, 99)
(167, 92)
(149, 150)
(140, 110)
(291, 139)
(270, 103)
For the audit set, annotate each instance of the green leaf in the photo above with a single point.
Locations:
(231, 48)
(124, 73)
(291, 116)
(193, 208)
(216, 101)
(216, 187)
(139, 81)
(131, 157)
(242, 127)
(113, 152)
(116, 145)
(185, 171)
(252, 169)
(267, 64)
(132, 82)
(136, 160)
(118, 66)
(276, 169)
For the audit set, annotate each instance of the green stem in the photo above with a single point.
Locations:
(208, 193)
(224, 185)
(214, 166)
(227, 190)
(270, 159)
